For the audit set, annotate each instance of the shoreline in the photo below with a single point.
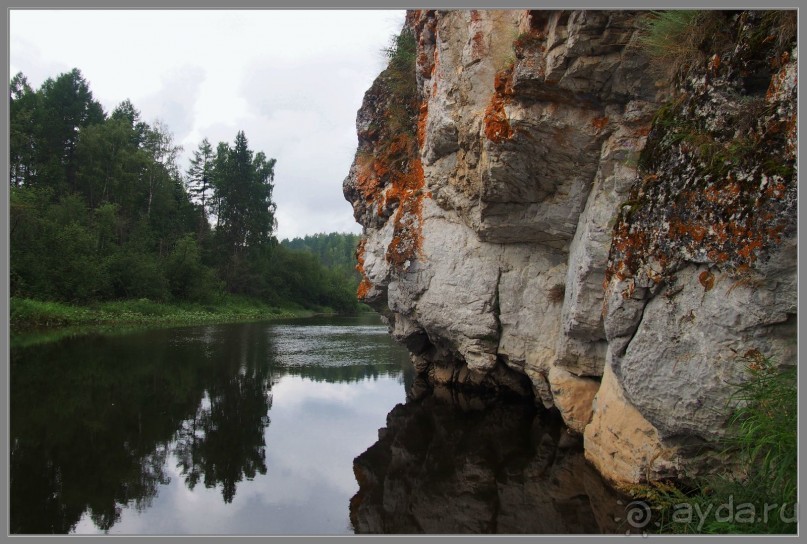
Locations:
(33, 321)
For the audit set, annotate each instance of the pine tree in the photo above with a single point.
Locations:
(243, 189)
(66, 107)
(199, 175)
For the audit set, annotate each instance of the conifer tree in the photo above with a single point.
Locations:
(199, 175)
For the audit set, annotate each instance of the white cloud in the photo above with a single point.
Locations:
(291, 79)
(316, 431)
(174, 103)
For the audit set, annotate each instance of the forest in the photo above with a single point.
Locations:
(101, 210)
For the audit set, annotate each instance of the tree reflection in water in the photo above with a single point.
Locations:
(224, 441)
(98, 420)
(116, 409)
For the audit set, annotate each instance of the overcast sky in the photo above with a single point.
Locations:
(292, 80)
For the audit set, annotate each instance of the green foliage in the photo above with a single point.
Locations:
(134, 274)
(766, 420)
(763, 438)
(53, 248)
(188, 278)
(22, 105)
(402, 53)
(400, 78)
(243, 184)
(99, 211)
(334, 250)
(664, 31)
(29, 314)
(279, 274)
(64, 108)
(779, 25)
(675, 40)
(199, 177)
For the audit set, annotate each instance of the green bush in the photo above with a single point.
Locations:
(401, 81)
(766, 420)
(401, 54)
(136, 275)
(188, 279)
(763, 438)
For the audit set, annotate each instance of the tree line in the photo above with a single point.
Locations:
(335, 250)
(100, 209)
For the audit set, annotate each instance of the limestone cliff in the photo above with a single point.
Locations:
(546, 211)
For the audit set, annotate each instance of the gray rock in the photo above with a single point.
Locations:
(530, 159)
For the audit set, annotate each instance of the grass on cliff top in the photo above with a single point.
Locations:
(401, 52)
(677, 40)
(401, 81)
(762, 498)
(674, 39)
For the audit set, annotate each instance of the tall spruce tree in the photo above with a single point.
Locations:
(243, 189)
(199, 175)
(66, 106)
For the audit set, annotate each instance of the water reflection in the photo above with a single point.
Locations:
(99, 423)
(449, 463)
(224, 441)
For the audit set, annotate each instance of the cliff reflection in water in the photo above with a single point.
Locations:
(454, 464)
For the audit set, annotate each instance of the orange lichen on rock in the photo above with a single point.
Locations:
(497, 125)
(792, 136)
(423, 115)
(364, 288)
(478, 45)
(714, 63)
(715, 221)
(392, 178)
(423, 23)
(599, 123)
(707, 279)
(407, 191)
(367, 178)
(365, 285)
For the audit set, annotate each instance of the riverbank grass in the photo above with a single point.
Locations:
(29, 314)
(760, 498)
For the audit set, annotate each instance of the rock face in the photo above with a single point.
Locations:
(545, 214)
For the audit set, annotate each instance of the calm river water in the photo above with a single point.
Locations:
(298, 427)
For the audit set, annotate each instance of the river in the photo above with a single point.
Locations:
(296, 427)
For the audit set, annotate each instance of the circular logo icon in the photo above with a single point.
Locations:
(638, 514)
